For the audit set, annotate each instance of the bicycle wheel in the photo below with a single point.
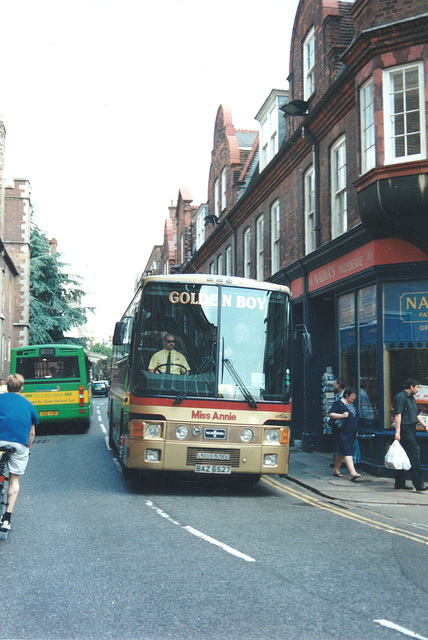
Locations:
(4, 481)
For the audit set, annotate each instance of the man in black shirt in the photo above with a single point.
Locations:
(406, 419)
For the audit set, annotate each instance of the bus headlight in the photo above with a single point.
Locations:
(182, 432)
(246, 435)
(272, 435)
(153, 430)
(270, 460)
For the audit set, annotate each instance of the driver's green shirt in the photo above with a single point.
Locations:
(161, 357)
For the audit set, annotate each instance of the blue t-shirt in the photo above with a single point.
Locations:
(17, 414)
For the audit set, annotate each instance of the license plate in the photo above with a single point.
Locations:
(212, 468)
(49, 413)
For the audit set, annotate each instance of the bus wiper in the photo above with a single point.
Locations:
(205, 362)
(243, 389)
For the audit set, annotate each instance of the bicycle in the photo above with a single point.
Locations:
(5, 453)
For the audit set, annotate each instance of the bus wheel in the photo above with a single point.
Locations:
(110, 431)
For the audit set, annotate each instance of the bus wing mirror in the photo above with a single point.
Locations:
(119, 331)
(307, 344)
(306, 339)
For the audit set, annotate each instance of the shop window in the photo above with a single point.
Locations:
(347, 338)
(368, 393)
(405, 318)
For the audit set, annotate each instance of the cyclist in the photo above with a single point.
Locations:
(18, 420)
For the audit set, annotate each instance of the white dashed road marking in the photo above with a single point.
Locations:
(199, 534)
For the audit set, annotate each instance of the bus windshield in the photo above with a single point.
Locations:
(47, 368)
(224, 342)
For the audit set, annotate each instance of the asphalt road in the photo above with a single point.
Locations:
(93, 556)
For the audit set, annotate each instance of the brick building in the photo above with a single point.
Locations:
(15, 212)
(17, 218)
(332, 200)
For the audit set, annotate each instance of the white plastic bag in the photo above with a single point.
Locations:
(396, 458)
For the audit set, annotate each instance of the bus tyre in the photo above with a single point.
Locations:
(110, 432)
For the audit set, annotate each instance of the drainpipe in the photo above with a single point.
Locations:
(310, 139)
(234, 259)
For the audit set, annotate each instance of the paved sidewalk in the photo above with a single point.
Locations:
(314, 471)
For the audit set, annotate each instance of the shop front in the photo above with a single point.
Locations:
(367, 312)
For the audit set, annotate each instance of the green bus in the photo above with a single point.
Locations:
(56, 382)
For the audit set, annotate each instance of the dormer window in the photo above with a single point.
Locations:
(272, 126)
(269, 136)
(309, 65)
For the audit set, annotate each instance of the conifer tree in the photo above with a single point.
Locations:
(55, 296)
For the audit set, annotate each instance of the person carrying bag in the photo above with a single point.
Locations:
(396, 458)
(346, 414)
(405, 421)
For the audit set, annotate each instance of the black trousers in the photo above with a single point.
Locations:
(410, 446)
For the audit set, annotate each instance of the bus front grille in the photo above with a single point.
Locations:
(199, 455)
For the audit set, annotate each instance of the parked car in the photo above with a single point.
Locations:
(100, 388)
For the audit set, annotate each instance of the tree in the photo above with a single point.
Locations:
(103, 349)
(55, 296)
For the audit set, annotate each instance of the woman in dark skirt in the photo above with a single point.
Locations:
(345, 411)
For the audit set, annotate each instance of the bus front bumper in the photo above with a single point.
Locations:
(159, 455)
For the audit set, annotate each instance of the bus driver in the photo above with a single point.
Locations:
(169, 360)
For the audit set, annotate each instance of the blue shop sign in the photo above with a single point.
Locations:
(414, 307)
(406, 312)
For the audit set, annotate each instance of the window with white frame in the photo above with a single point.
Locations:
(339, 219)
(200, 226)
(309, 65)
(228, 260)
(247, 253)
(368, 149)
(274, 234)
(309, 187)
(223, 189)
(217, 198)
(269, 136)
(212, 268)
(182, 248)
(220, 264)
(404, 113)
(260, 260)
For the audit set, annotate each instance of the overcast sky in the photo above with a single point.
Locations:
(109, 108)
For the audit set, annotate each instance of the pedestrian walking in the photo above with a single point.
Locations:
(405, 421)
(345, 412)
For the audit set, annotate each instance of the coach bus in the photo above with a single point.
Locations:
(222, 405)
(56, 382)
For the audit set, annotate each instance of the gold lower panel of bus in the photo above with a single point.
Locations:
(176, 457)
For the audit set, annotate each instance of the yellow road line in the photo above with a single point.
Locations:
(350, 515)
